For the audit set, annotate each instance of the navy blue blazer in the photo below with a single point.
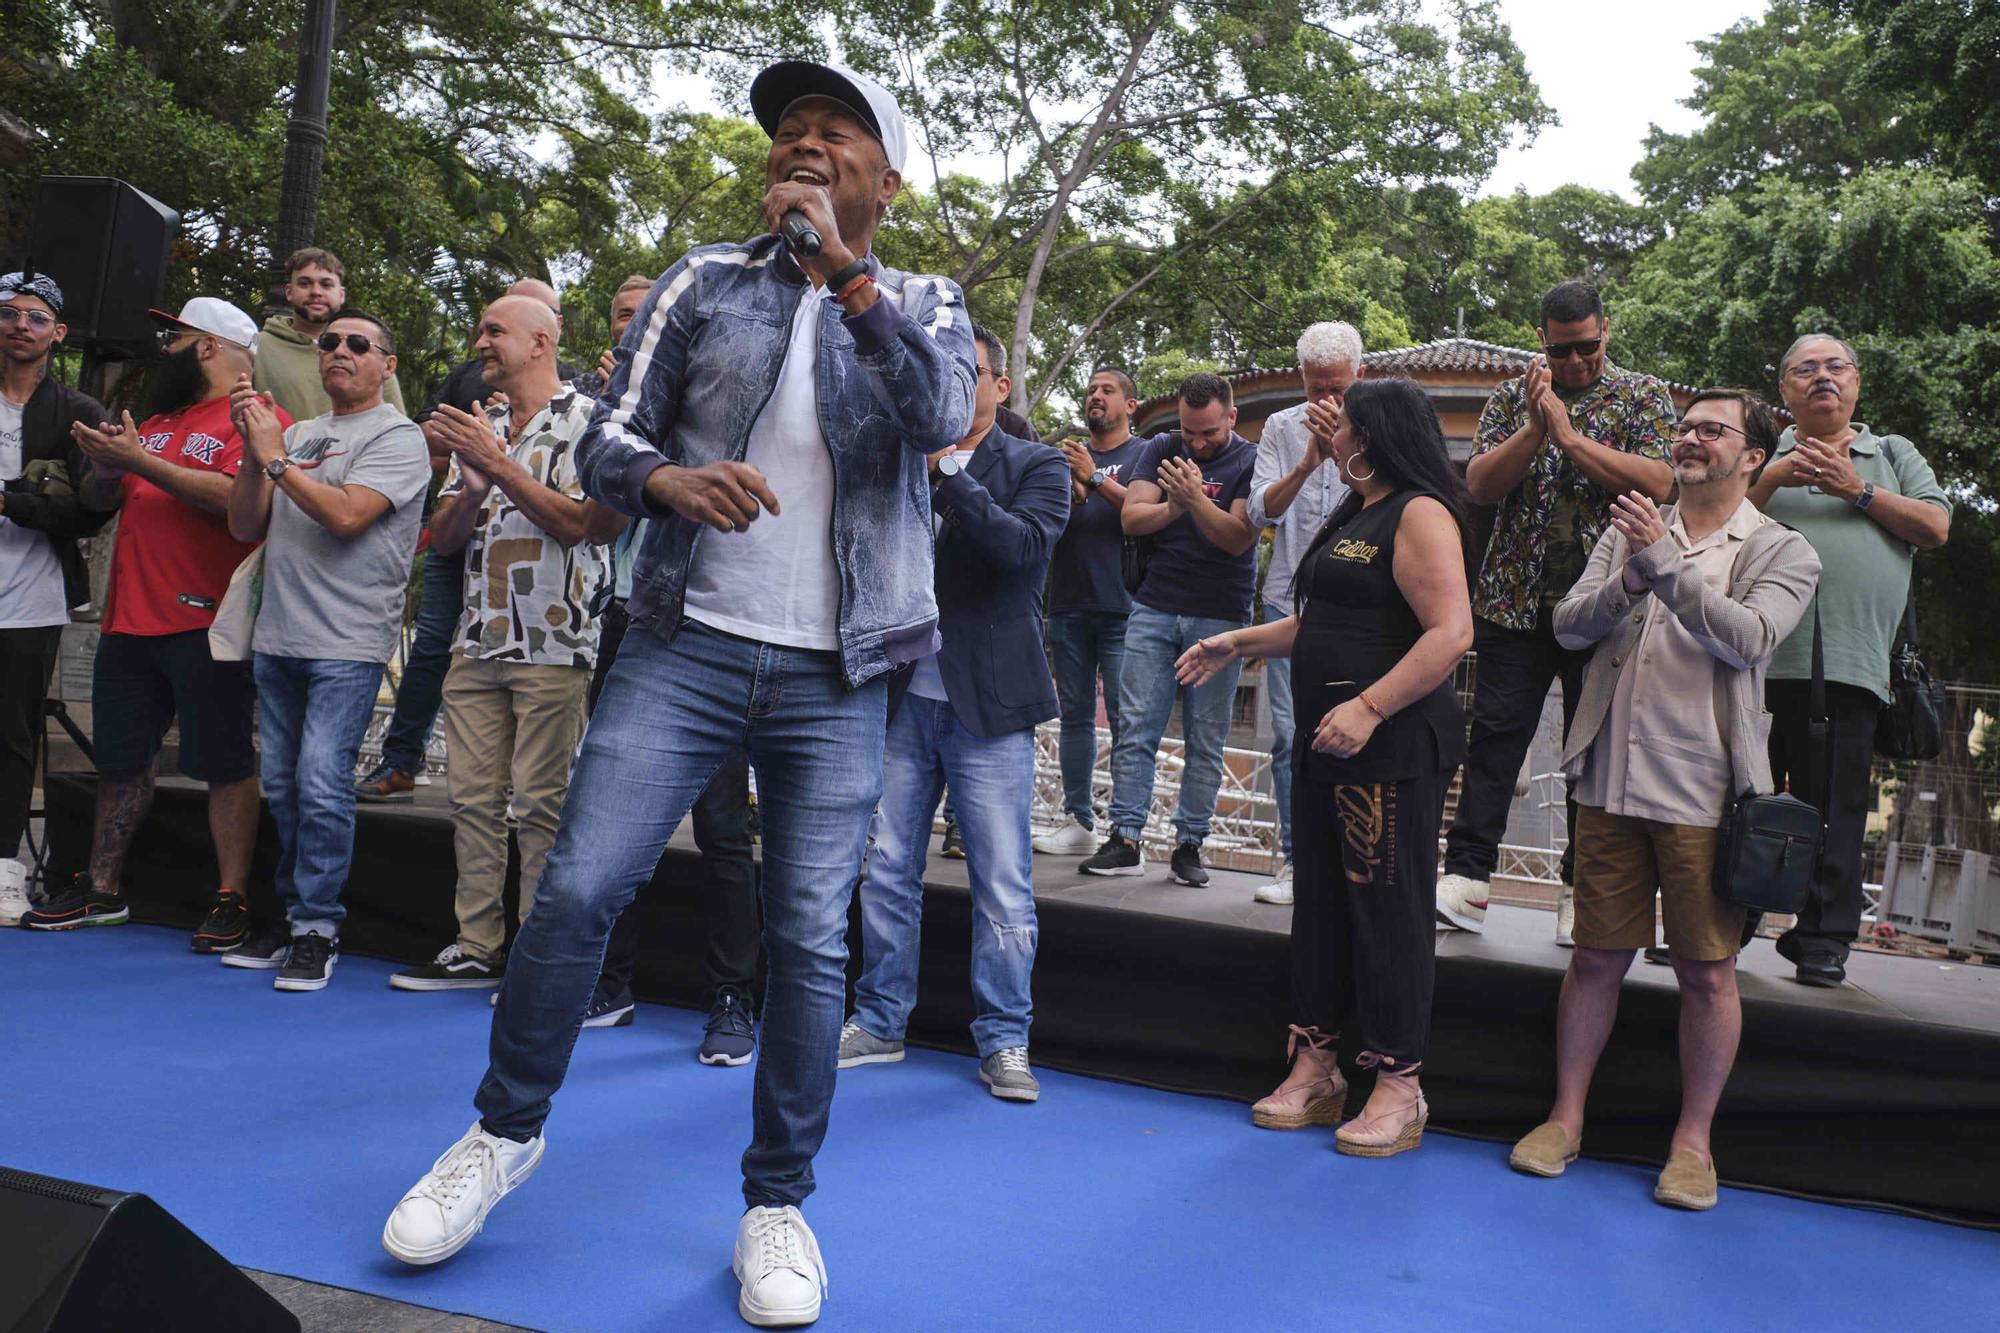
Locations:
(1001, 518)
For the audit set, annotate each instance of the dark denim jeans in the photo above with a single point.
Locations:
(421, 692)
(1084, 645)
(311, 716)
(994, 777)
(670, 715)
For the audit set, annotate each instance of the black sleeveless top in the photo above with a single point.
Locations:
(1353, 627)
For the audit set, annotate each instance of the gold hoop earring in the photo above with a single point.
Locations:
(1356, 476)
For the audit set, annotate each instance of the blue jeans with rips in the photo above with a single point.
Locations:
(311, 716)
(1083, 645)
(994, 780)
(671, 713)
(1154, 640)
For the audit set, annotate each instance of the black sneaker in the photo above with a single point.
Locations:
(1117, 856)
(308, 964)
(451, 970)
(730, 1037)
(610, 1011)
(78, 905)
(1186, 865)
(225, 927)
(266, 947)
(954, 846)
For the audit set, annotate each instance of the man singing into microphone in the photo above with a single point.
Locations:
(771, 413)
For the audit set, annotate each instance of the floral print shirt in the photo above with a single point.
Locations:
(1546, 526)
(527, 597)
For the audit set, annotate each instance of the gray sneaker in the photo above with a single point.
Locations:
(1006, 1074)
(858, 1046)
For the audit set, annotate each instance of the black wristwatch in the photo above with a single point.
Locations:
(948, 466)
(1097, 479)
(842, 276)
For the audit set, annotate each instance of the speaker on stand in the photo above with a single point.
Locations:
(105, 243)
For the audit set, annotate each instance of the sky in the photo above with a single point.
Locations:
(1607, 79)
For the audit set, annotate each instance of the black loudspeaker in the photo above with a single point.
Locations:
(105, 244)
(78, 1259)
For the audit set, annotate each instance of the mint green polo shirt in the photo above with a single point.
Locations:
(1864, 578)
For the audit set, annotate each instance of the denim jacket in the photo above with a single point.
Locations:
(697, 366)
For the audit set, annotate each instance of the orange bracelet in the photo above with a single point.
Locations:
(853, 287)
(1362, 695)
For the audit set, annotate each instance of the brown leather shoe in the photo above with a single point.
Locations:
(1546, 1151)
(1688, 1182)
(386, 784)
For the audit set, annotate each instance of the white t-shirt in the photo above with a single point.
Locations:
(31, 582)
(777, 582)
(928, 682)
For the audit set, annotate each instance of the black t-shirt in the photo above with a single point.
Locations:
(1188, 575)
(463, 387)
(1084, 573)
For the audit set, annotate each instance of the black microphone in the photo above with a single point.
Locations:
(799, 233)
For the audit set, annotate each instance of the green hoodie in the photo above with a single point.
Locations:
(288, 370)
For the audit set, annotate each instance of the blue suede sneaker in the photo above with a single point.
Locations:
(730, 1037)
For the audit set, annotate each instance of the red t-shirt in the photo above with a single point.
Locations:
(172, 561)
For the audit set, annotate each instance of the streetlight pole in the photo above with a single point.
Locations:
(305, 143)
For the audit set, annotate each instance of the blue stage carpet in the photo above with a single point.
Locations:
(283, 1128)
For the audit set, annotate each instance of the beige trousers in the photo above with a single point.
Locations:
(505, 721)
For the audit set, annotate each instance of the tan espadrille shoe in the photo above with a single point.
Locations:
(1688, 1182)
(1546, 1151)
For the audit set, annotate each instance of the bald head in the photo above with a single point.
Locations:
(517, 346)
(538, 290)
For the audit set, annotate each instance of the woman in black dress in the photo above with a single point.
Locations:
(1383, 620)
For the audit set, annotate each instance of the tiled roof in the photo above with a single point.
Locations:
(1467, 354)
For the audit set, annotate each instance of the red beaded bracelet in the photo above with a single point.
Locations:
(853, 287)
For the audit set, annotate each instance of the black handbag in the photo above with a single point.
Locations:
(1133, 557)
(1912, 726)
(1767, 848)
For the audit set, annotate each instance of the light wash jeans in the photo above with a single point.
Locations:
(993, 779)
(311, 716)
(1083, 644)
(1154, 640)
(1278, 690)
(670, 715)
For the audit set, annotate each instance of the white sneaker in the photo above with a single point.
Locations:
(1566, 917)
(1071, 838)
(1461, 903)
(14, 902)
(447, 1207)
(1279, 890)
(777, 1261)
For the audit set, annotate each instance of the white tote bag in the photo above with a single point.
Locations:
(236, 619)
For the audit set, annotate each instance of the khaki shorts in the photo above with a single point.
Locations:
(1620, 862)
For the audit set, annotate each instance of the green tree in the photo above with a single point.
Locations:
(1940, 59)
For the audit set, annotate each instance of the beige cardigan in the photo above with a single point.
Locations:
(1771, 584)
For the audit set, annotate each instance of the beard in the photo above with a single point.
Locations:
(176, 382)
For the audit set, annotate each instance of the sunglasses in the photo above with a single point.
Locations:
(330, 342)
(1564, 351)
(41, 321)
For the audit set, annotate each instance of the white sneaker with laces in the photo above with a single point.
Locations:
(778, 1262)
(1279, 890)
(14, 902)
(1071, 838)
(1566, 917)
(1461, 903)
(448, 1206)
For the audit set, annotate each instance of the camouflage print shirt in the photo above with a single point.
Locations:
(1546, 526)
(527, 597)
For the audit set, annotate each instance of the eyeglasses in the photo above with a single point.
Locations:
(1581, 347)
(1708, 432)
(330, 342)
(167, 337)
(41, 321)
(1833, 365)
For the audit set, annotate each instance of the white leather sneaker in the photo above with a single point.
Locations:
(447, 1207)
(1279, 890)
(1566, 917)
(1461, 903)
(1071, 838)
(777, 1261)
(14, 902)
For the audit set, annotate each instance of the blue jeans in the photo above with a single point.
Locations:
(994, 779)
(1153, 641)
(421, 690)
(1083, 644)
(311, 716)
(1278, 690)
(671, 714)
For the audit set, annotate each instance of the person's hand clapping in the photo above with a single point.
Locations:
(1638, 519)
(1081, 465)
(110, 449)
(472, 442)
(1181, 480)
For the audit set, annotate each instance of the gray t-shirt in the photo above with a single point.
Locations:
(342, 600)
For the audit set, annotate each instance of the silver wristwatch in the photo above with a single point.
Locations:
(1867, 496)
(277, 467)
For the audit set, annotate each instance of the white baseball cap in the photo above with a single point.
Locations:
(208, 314)
(774, 91)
